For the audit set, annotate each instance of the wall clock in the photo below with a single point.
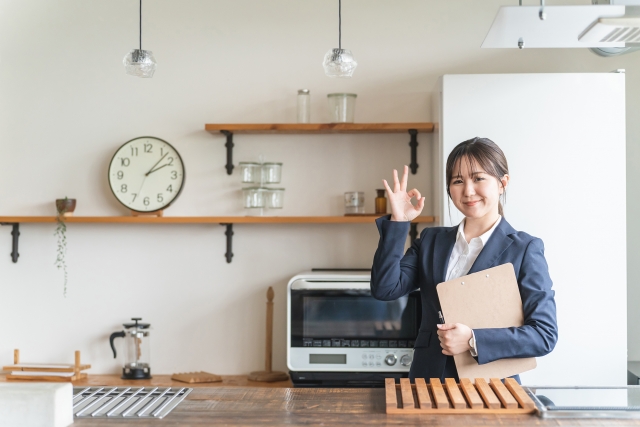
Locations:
(146, 174)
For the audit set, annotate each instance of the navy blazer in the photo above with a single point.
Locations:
(424, 265)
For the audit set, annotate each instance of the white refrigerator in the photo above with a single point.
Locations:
(564, 139)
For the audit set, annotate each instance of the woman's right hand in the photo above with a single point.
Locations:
(400, 199)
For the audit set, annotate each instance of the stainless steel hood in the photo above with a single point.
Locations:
(596, 26)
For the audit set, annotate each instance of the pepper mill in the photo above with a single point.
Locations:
(268, 375)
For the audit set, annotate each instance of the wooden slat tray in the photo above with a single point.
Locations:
(493, 397)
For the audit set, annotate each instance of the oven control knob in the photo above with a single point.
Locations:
(405, 360)
(391, 359)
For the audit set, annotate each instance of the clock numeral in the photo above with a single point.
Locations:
(134, 197)
(147, 148)
(123, 188)
(134, 151)
(160, 198)
(120, 174)
(161, 151)
(170, 189)
(174, 175)
(124, 161)
(170, 159)
(145, 201)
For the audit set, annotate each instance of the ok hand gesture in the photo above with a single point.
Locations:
(400, 199)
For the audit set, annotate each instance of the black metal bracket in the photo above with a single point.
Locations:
(414, 150)
(413, 232)
(15, 232)
(229, 234)
(229, 146)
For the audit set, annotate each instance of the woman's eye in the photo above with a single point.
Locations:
(457, 181)
(479, 178)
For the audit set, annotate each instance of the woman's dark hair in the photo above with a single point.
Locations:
(478, 151)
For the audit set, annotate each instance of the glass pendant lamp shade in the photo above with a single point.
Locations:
(140, 63)
(339, 63)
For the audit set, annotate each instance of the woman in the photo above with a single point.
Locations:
(477, 177)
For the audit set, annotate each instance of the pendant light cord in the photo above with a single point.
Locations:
(140, 24)
(339, 24)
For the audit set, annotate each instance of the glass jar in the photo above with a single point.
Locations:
(304, 106)
(271, 173)
(274, 198)
(354, 202)
(342, 107)
(253, 197)
(249, 171)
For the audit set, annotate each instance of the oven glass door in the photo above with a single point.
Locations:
(352, 318)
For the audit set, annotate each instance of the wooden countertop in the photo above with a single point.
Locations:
(253, 406)
(237, 401)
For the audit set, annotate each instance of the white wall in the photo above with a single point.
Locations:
(543, 124)
(67, 105)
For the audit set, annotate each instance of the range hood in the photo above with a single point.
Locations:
(612, 27)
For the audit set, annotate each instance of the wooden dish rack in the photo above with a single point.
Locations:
(45, 371)
(493, 397)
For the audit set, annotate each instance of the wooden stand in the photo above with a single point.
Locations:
(196, 377)
(154, 213)
(45, 371)
(268, 375)
(451, 398)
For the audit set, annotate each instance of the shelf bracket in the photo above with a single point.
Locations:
(414, 150)
(15, 232)
(229, 234)
(413, 232)
(229, 146)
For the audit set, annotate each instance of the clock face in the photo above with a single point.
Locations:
(146, 174)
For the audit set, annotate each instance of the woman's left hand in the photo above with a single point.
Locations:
(454, 338)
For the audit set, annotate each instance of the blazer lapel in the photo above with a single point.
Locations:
(443, 246)
(497, 244)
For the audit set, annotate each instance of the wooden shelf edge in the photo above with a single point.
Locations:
(319, 128)
(205, 219)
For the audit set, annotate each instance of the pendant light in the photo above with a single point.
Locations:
(339, 62)
(138, 62)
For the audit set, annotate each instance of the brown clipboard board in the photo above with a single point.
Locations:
(486, 299)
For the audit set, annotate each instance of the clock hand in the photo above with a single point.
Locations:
(152, 171)
(165, 155)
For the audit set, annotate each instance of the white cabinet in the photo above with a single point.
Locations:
(564, 139)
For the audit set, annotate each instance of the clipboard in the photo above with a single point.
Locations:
(486, 299)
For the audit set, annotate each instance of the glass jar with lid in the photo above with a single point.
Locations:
(274, 198)
(304, 106)
(342, 107)
(250, 171)
(271, 173)
(254, 197)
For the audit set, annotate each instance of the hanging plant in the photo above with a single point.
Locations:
(65, 207)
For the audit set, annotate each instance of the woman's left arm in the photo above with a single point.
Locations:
(539, 334)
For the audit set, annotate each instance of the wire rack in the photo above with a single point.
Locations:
(126, 402)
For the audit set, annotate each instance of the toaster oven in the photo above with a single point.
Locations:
(338, 335)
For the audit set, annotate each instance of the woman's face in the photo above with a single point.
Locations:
(475, 193)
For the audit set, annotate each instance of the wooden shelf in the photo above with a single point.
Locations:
(203, 219)
(319, 128)
(228, 129)
(227, 221)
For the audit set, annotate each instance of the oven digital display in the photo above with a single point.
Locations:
(336, 359)
(358, 317)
